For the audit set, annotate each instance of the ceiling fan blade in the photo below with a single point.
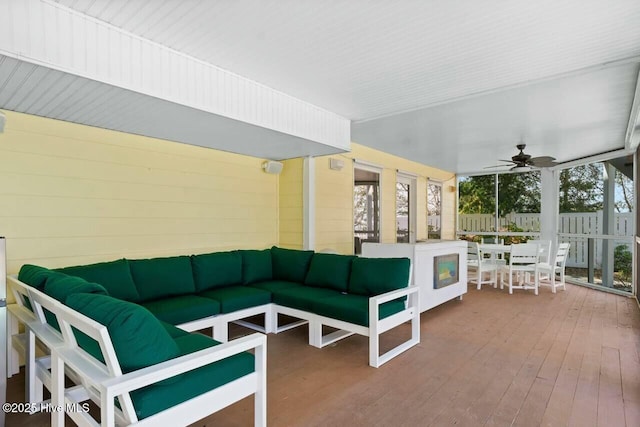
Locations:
(542, 161)
(509, 161)
(497, 166)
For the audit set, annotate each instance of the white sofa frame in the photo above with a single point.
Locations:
(220, 325)
(411, 313)
(37, 370)
(103, 382)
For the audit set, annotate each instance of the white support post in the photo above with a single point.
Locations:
(608, 224)
(33, 386)
(309, 204)
(107, 415)
(549, 206)
(57, 390)
(315, 333)
(13, 356)
(374, 337)
(270, 324)
(260, 397)
(221, 332)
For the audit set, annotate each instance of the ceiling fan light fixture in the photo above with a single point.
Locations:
(520, 169)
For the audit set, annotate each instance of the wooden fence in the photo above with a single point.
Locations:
(570, 223)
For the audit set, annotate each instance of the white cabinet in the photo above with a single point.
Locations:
(425, 259)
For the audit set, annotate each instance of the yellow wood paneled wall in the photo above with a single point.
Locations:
(334, 206)
(73, 194)
(290, 207)
(334, 198)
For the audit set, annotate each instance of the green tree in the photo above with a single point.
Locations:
(581, 188)
(477, 194)
(517, 192)
(624, 193)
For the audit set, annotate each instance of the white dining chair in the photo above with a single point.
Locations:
(524, 259)
(545, 249)
(481, 267)
(548, 271)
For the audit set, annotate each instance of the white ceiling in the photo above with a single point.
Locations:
(567, 118)
(474, 77)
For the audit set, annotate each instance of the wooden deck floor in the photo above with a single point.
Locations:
(492, 359)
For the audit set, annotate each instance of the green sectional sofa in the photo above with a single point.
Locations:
(177, 295)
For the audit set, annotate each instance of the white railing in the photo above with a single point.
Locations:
(589, 223)
(486, 222)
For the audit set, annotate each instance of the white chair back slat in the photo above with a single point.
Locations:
(549, 270)
(524, 253)
(523, 258)
(472, 251)
(545, 249)
(481, 265)
(562, 253)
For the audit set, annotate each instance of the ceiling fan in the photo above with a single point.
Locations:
(524, 162)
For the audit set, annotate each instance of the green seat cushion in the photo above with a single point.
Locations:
(138, 337)
(115, 276)
(302, 297)
(216, 270)
(290, 264)
(60, 286)
(162, 277)
(181, 309)
(274, 285)
(234, 298)
(156, 398)
(329, 271)
(354, 308)
(256, 266)
(375, 276)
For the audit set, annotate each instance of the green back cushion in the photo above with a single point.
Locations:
(162, 277)
(60, 286)
(115, 276)
(375, 276)
(216, 270)
(256, 266)
(34, 275)
(329, 271)
(138, 338)
(290, 264)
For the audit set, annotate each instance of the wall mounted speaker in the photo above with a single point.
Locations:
(3, 119)
(336, 164)
(272, 167)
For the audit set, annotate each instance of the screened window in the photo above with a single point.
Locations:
(366, 208)
(434, 210)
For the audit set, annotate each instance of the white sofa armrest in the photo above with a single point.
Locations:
(378, 326)
(391, 295)
(161, 371)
